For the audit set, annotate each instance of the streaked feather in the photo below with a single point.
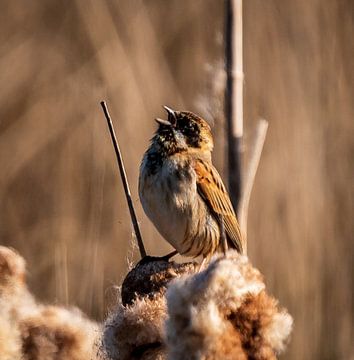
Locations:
(213, 191)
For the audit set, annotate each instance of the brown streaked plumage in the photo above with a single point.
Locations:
(181, 191)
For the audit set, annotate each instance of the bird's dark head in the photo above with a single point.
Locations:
(184, 131)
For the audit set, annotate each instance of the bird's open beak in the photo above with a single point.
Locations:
(163, 122)
(172, 118)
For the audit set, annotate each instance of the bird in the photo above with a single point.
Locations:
(181, 191)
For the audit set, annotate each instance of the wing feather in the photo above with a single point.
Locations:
(214, 193)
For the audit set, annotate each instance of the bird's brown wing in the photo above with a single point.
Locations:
(214, 193)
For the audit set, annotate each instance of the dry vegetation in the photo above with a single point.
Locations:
(61, 201)
(33, 331)
(222, 313)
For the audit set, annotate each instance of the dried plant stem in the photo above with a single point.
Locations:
(124, 180)
(240, 182)
(234, 96)
(256, 151)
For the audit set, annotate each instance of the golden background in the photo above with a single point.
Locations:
(62, 204)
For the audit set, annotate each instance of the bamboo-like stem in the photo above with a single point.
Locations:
(240, 182)
(250, 174)
(234, 96)
(124, 180)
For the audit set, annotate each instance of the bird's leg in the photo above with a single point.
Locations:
(166, 258)
(169, 255)
(223, 239)
(200, 267)
(204, 263)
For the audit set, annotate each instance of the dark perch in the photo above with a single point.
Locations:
(150, 276)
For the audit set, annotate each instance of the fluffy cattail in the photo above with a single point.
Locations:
(12, 272)
(31, 331)
(13, 288)
(53, 332)
(135, 328)
(224, 313)
(10, 344)
(136, 331)
(220, 313)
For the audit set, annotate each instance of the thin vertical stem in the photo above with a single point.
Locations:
(124, 180)
(234, 96)
(250, 173)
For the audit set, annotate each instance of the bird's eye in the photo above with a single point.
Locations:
(186, 125)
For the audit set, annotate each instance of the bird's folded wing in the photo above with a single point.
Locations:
(214, 193)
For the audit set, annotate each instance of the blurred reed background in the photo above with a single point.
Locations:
(61, 200)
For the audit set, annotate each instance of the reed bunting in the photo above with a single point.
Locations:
(182, 193)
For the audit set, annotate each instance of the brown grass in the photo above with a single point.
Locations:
(61, 201)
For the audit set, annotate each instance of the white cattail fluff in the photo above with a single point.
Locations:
(224, 313)
(135, 330)
(33, 331)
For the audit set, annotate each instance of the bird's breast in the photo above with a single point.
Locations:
(169, 197)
